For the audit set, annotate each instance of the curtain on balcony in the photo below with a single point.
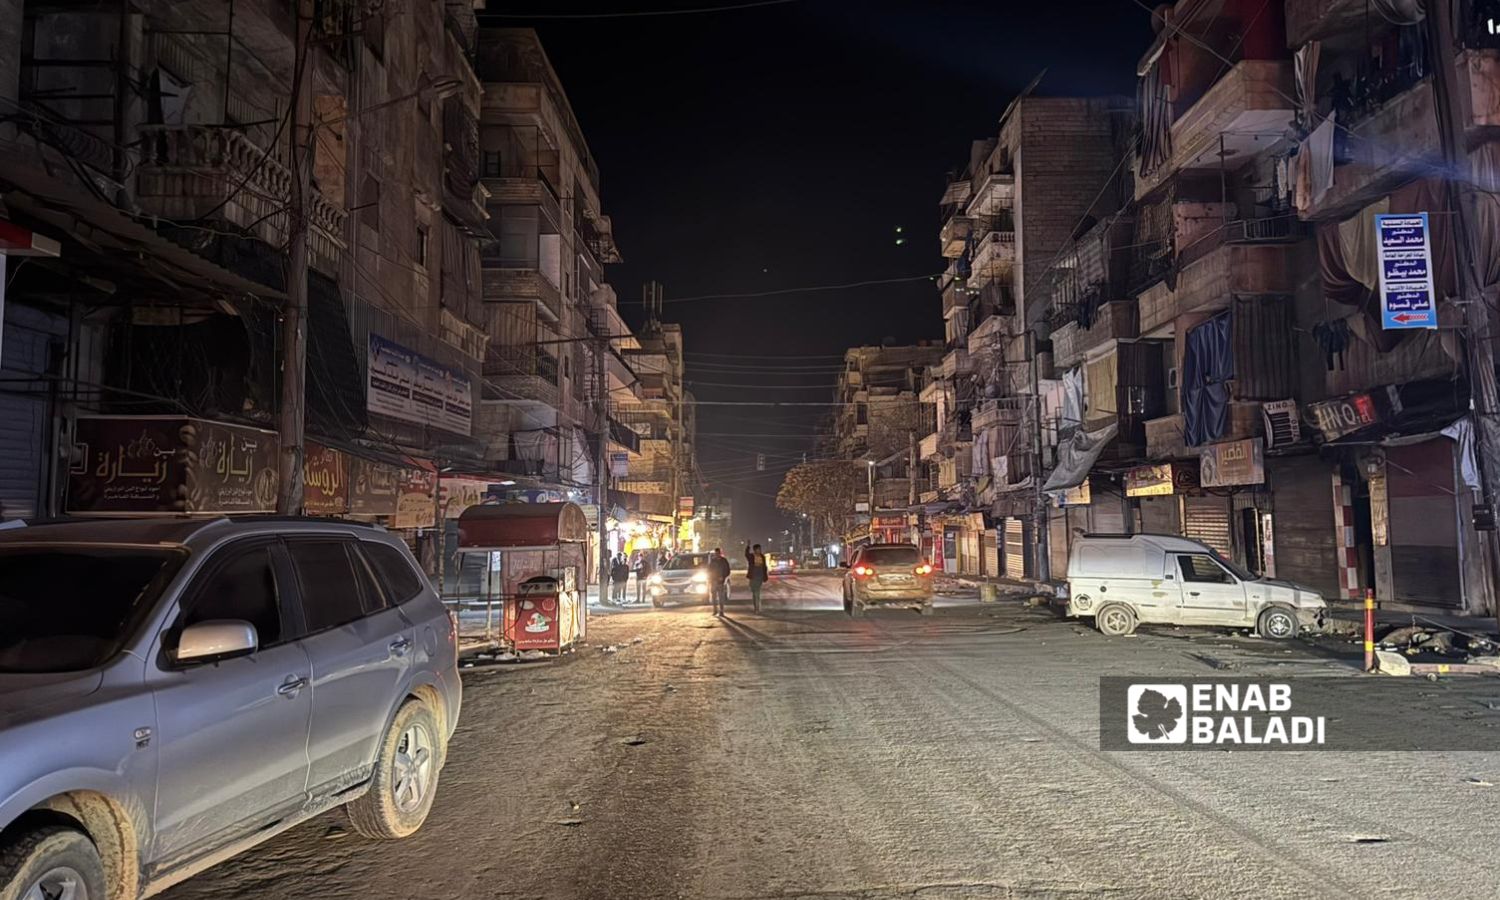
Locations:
(1153, 93)
(1207, 368)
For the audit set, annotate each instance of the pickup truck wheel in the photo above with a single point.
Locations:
(1278, 624)
(1115, 620)
(52, 863)
(405, 779)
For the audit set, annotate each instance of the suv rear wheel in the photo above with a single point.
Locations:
(51, 864)
(405, 779)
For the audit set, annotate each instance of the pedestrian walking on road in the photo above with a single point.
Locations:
(758, 573)
(718, 574)
(619, 575)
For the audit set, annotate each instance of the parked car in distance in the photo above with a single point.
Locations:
(174, 692)
(887, 575)
(683, 579)
(781, 563)
(1123, 580)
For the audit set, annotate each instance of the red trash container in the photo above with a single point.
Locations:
(532, 616)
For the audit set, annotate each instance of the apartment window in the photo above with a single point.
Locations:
(369, 202)
(419, 253)
(492, 164)
(861, 414)
(516, 242)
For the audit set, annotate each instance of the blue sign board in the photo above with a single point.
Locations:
(1407, 297)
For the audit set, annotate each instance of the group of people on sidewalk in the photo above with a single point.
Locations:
(758, 572)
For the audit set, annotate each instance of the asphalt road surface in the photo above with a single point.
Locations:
(800, 753)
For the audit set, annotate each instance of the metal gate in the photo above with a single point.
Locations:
(991, 549)
(1206, 519)
(23, 414)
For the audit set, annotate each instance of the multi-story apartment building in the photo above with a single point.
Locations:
(554, 323)
(155, 146)
(880, 418)
(658, 413)
(1006, 219)
(1234, 378)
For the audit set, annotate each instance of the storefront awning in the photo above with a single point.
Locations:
(522, 526)
(1077, 455)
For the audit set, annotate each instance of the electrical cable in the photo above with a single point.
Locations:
(635, 14)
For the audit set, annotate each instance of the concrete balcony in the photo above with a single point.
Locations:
(1245, 112)
(190, 172)
(954, 236)
(644, 486)
(993, 192)
(1316, 20)
(1399, 141)
(991, 334)
(995, 254)
(523, 284)
(955, 363)
(1207, 284)
(525, 190)
(1114, 321)
(927, 448)
(999, 411)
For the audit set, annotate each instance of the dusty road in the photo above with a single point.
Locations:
(804, 754)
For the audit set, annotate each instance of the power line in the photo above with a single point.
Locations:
(804, 290)
(636, 14)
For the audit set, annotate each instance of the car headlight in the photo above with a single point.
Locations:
(700, 577)
(655, 578)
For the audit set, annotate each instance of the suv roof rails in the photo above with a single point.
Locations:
(320, 520)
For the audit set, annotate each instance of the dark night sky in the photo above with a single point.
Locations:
(781, 147)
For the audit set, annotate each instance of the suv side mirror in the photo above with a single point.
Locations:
(215, 640)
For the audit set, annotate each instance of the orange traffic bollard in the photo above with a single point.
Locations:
(1369, 629)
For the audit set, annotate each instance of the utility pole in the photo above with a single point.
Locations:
(1484, 396)
(1041, 529)
(601, 463)
(294, 316)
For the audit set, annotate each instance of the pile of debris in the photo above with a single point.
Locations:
(1426, 648)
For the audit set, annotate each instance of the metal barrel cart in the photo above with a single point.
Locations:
(530, 565)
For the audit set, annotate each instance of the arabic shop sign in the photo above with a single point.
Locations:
(1232, 463)
(373, 488)
(416, 505)
(1346, 415)
(1162, 479)
(1078, 495)
(403, 384)
(144, 465)
(1407, 297)
(325, 481)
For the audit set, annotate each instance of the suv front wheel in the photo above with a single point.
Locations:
(51, 863)
(405, 779)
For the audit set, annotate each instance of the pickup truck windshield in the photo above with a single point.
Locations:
(65, 609)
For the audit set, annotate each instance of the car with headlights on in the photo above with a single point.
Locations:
(887, 575)
(683, 579)
(174, 692)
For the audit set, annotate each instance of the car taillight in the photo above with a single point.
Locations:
(862, 571)
(924, 569)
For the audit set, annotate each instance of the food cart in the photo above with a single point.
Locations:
(534, 560)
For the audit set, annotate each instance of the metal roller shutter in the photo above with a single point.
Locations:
(23, 417)
(1159, 515)
(991, 549)
(1206, 519)
(1015, 548)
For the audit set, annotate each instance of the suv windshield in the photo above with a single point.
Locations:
(63, 609)
(688, 561)
(891, 556)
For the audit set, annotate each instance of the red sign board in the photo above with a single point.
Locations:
(325, 481)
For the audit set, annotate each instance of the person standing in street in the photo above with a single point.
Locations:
(643, 573)
(619, 575)
(758, 573)
(718, 573)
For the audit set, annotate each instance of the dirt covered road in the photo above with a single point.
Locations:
(800, 753)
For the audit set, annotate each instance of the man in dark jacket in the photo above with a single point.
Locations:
(718, 574)
(758, 573)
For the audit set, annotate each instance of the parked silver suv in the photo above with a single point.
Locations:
(173, 692)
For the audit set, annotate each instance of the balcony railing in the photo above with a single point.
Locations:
(194, 171)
